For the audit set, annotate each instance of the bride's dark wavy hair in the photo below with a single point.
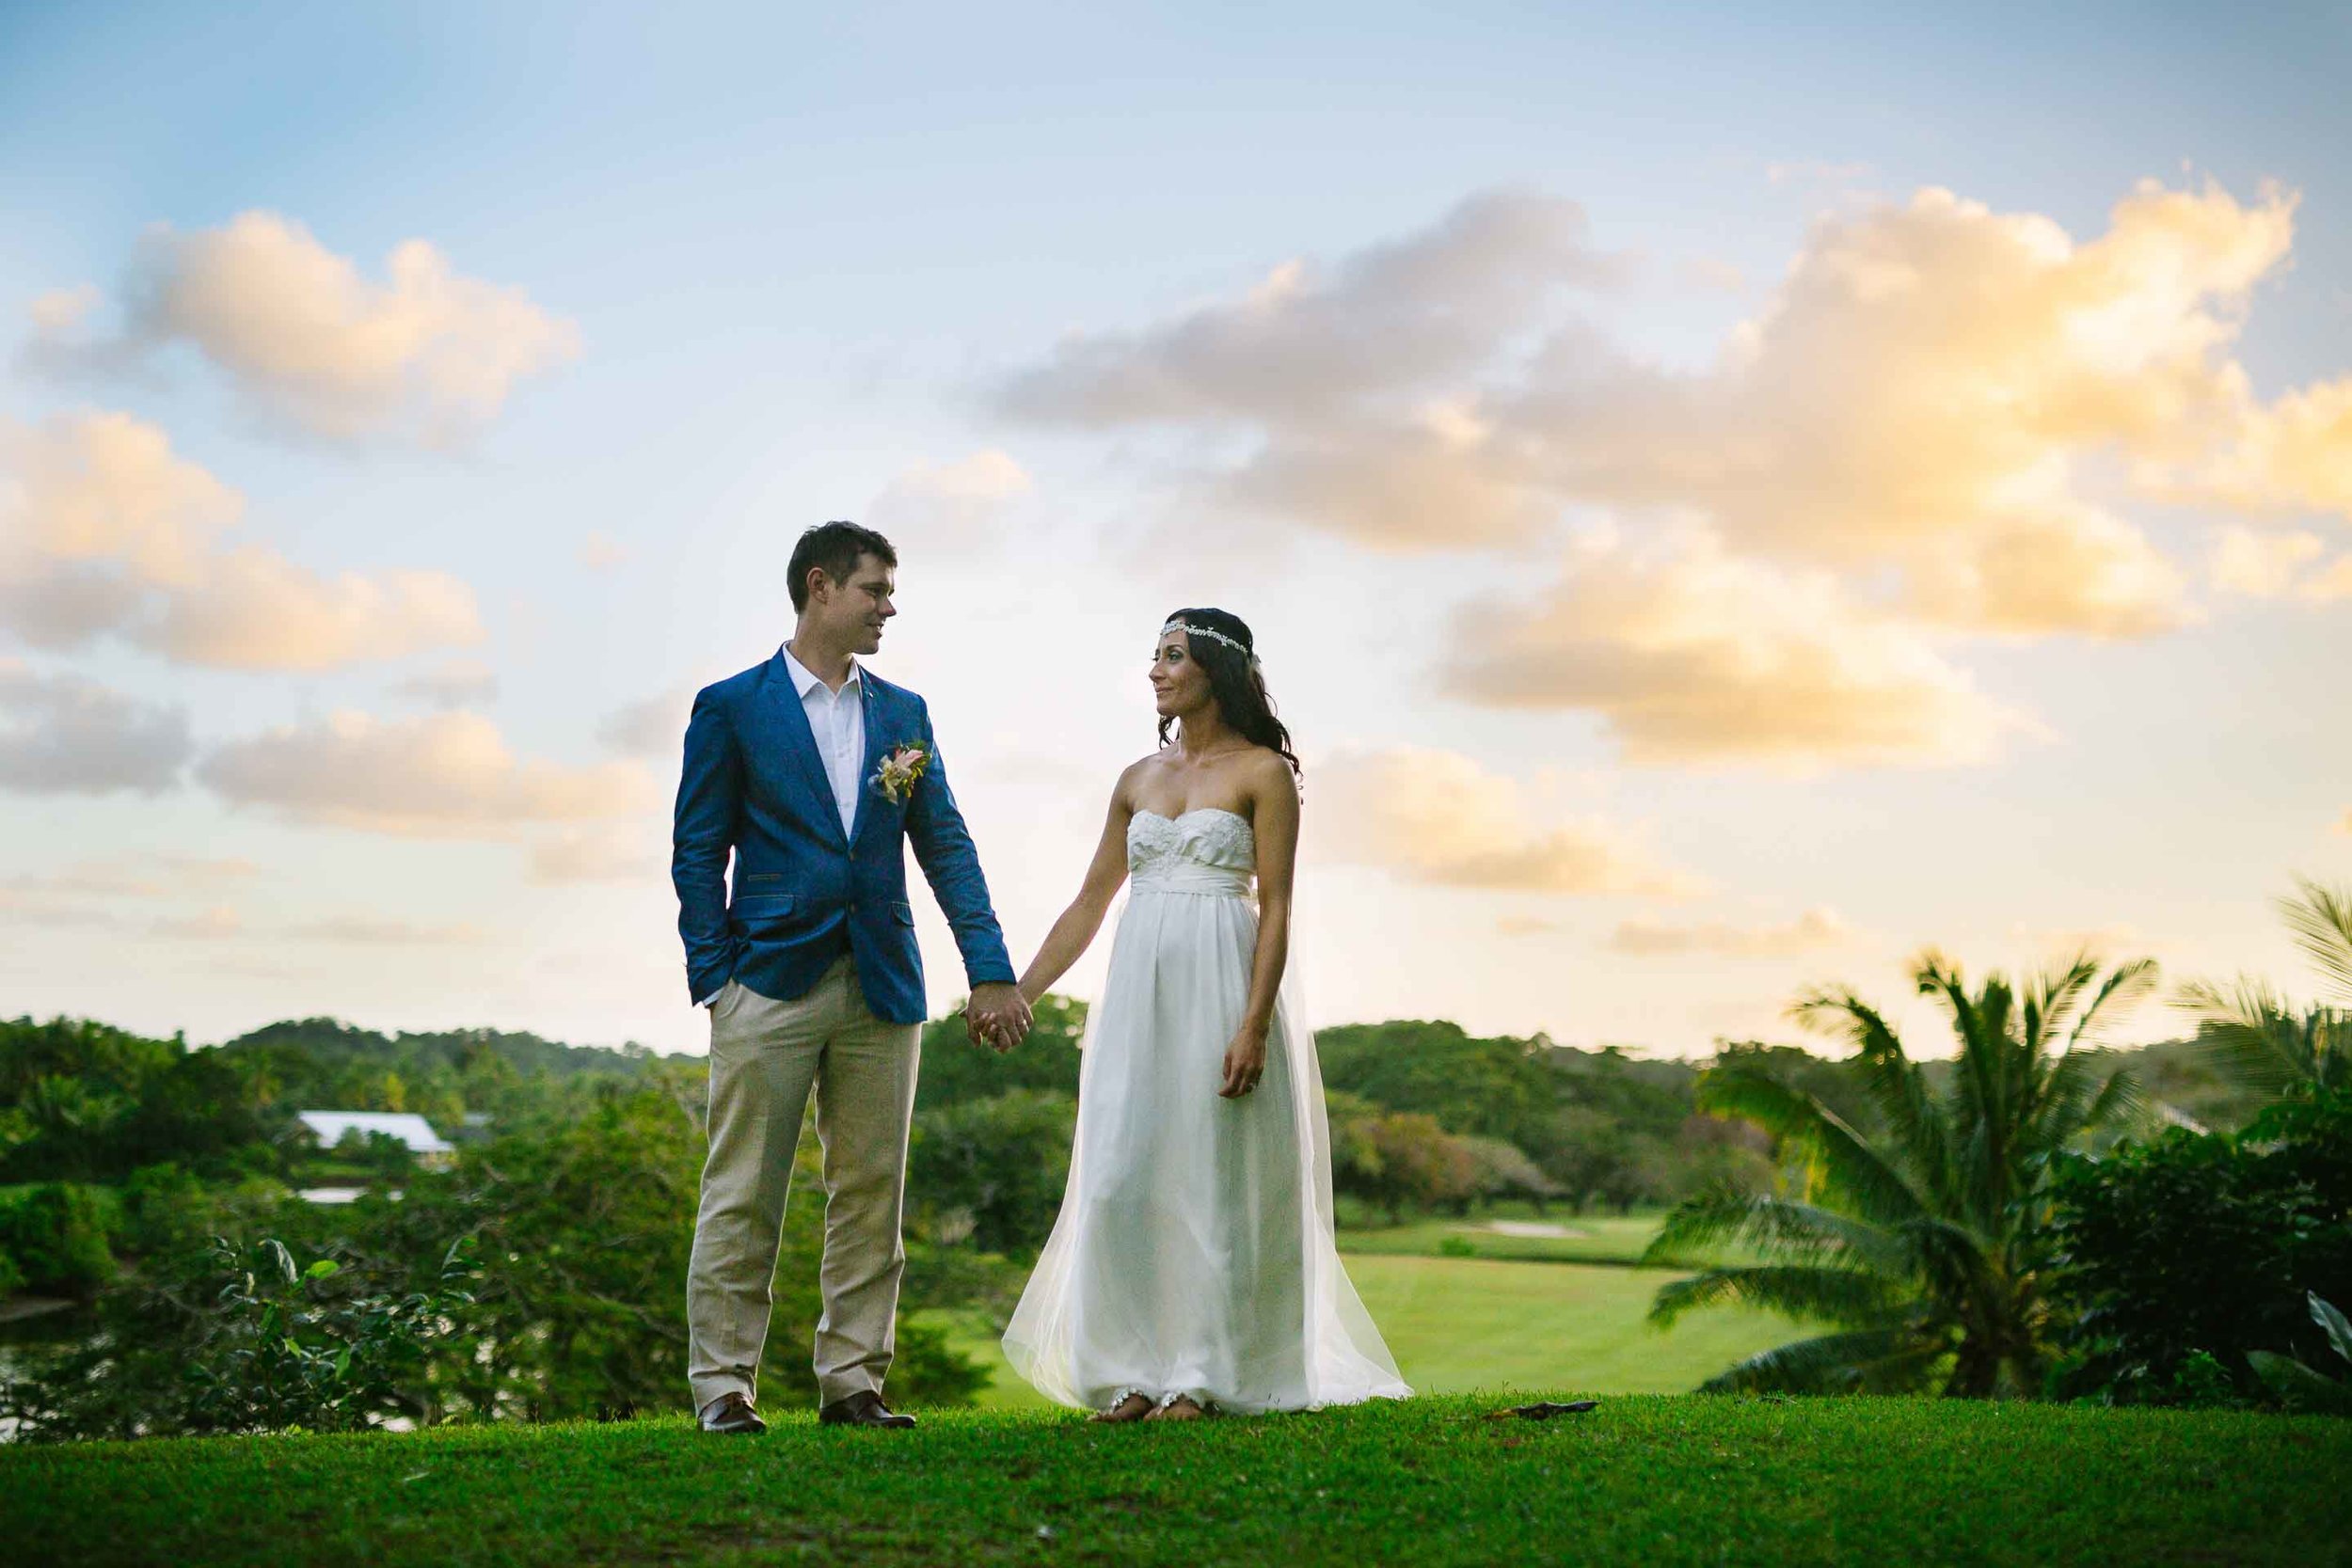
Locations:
(1236, 682)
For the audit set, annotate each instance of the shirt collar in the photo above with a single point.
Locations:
(802, 678)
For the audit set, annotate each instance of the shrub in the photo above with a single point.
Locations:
(57, 1232)
(991, 1171)
(2301, 1388)
(2203, 1243)
(229, 1339)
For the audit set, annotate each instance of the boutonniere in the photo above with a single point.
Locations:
(901, 767)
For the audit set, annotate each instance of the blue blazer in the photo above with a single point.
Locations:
(753, 784)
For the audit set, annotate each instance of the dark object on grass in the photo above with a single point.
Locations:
(1543, 1411)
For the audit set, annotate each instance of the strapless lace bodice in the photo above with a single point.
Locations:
(1208, 850)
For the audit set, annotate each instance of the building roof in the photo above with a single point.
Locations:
(408, 1126)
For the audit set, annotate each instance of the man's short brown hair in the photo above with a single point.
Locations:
(834, 549)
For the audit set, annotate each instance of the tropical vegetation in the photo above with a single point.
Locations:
(1920, 1250)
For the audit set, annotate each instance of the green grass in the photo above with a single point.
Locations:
(1649, 1480)
(1458, 1324)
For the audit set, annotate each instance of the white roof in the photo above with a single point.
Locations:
(408, 1126)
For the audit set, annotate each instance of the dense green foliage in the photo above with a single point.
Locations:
(574, 1185)
(1654, 1482)
(581, 1207)
(2301, 1386)
(55, 1235)
(1921, 1248)
(2204, 1245)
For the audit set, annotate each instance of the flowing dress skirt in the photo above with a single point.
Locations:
(1193, 1253)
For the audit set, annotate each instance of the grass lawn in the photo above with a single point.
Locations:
(1593, 1238)
(1641, 1480)
(1457, 1325)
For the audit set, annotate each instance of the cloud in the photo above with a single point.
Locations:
(2293, 456)
(1646, 937)
(600, 551)
(600, 855)
(1950, 405)
(145, 876)
(445, 775)
(105, 531)
(652, 726)
(60, 312)
(105, 487)
(1344, 386)
(1692, 657)
(1438, 819)
(2261, 565)
(951, 509)
(217, 924)
(377, 931)
(1525, 926)
(1712, 275)
(308, 338)
(254, 609)
(1922, 397)
(62, 735)
(458, 683)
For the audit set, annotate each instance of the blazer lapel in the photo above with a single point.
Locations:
(877, 715)
(800, 745)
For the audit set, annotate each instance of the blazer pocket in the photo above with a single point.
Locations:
(759, 902)
(902, 914)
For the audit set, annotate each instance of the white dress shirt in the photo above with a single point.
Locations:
(837, 720)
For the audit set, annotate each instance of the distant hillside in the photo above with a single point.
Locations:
(299, 1051)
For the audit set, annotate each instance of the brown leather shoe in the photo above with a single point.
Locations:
(731, 1413)
(864, 1408)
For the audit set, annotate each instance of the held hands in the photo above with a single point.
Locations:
(998, 1015)
(1244, 1062)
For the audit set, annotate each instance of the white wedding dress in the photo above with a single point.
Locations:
(1193, 1254)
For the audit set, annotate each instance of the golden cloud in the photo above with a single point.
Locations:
(444, 775)
(1438, 819)
(1646, 937)
(426, 353)
(2261, 565)
(1957, 414)
(1694, 656)
(103, 530)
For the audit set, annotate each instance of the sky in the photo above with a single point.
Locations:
(1726, 501)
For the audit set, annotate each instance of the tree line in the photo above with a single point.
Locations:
(150, 1186)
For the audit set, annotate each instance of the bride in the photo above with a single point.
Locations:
(1192, 1265)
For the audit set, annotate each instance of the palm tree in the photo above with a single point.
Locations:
(2251, 1034)
(1918, 1248)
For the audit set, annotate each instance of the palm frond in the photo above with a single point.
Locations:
(1852, 1167)
(2119, 1098)
(1849, 1298)
(2126, 985)
(1873, 1361)
(2321, 919)
(2076, 1100)
(1894, 1082)
(1785, 1231)
(2247, 1034)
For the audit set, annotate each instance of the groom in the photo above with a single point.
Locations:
(814, 773)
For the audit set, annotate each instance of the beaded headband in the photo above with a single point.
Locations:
(1209, 632)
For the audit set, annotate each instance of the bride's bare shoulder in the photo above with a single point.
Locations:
(1134, 773)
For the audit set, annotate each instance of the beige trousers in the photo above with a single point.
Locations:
(765, 1055)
